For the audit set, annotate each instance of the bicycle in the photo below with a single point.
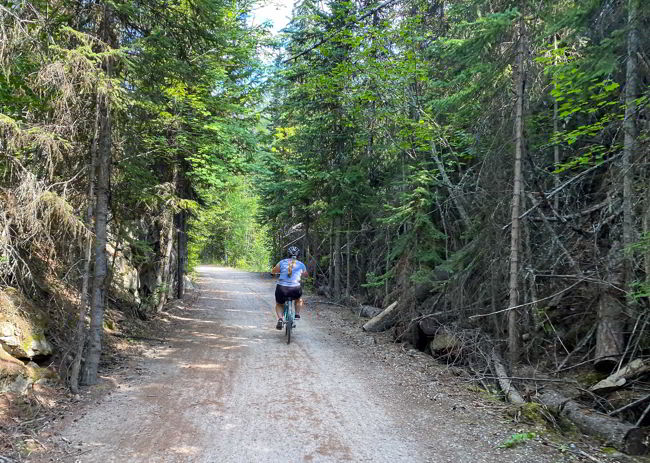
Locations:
(289, 317)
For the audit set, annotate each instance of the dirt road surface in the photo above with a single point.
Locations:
(225, 387)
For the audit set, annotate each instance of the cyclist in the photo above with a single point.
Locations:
(291, 271)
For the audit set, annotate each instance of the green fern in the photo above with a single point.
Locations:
(517, 439)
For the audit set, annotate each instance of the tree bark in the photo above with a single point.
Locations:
(91, 365)
(83, 302)
(337, 257)
(625, 437)
(181, 250)
(646, 232)
(505, 384)
(629, 143)
(387, 264)
(609, 336)
(165, 275)
(307, 251)
(347, 262)
(515, 237)
(330, 264)
(556, 146)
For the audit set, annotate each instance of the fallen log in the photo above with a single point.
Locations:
(623, 436)
(505, 384)
(383, 321)
(621, 377)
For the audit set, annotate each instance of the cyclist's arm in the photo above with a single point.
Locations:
(276, 270)
(304, 274)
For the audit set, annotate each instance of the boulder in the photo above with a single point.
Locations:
(445, 343)
(16, 377)
(368, 311)
(22, 326)
(125, 277)
(429, 326)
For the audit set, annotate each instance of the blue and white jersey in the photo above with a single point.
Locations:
(293, 280)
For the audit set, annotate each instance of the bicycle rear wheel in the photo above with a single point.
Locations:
(289, 315)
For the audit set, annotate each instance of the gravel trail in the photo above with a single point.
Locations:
(225, 387)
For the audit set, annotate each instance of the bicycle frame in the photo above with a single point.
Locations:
(289, 316)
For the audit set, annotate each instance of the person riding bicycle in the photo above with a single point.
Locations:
(291, 271)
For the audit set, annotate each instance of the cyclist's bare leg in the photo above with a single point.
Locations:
(279, 310)
(298, 306)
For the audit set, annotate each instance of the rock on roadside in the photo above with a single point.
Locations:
(368, 311)
(17, 377)
(22, 326)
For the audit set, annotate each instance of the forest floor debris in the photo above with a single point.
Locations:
(425, 378)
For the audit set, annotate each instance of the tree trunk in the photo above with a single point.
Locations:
(556, 146)
(166, 277)
(646, 232)
(515, 237)
(149, 271)
(330, 264)
(387, 266)
(337, 257)
(83, 302)
(307, 251)
(609, 337)
(181, 250)
(611, 320)
(629, 143)
(91, 365)
(347, 262)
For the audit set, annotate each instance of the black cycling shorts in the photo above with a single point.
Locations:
(282, 293)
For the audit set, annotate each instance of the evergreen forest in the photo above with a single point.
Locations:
(482, 164)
